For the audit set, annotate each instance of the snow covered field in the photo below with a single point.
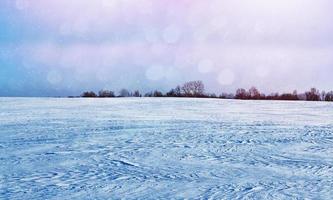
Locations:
(153, 148)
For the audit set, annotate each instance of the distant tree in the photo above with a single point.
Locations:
(262, 96)
(323, 95)
(302, 96)
(212, 95)
(149, 94)
(106, 93)
(254, 93)
(223, 96)
(171, 93)
(288, 96)
(226, 96)
(176, 92)
(157, 94)
(313, 95)
(329, 96)
(273, 96)
(137, 94)
(197, 89)
(241, 94)
(193, 89)
(124, 93)
(89, 94)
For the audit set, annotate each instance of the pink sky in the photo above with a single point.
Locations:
(276, 45)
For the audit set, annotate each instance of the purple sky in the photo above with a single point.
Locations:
(62, 47)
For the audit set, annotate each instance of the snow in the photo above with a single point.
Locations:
(155, 148)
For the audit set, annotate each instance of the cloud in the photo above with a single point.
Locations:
(226, 43)
(244, 21)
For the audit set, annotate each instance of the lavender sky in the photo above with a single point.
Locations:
(62, 47)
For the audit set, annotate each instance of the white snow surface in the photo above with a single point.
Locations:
(165, 148)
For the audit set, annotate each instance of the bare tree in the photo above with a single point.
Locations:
(197, 89)
(137, 94)
(124, 93)
(254, 93)
(176, 92)
(106, 93)
(149, 94)
(89, 94)
(288, 97)
(273, 96)
(157, 94)
(212, 95)
(171, 93)
(323, 95)
(226, 96)
(329, 96)
(241, 94)
(193, 89)
(313, 95)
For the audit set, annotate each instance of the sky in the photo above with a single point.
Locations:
(61, 47)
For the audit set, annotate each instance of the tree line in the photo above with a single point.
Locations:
(196, 89)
